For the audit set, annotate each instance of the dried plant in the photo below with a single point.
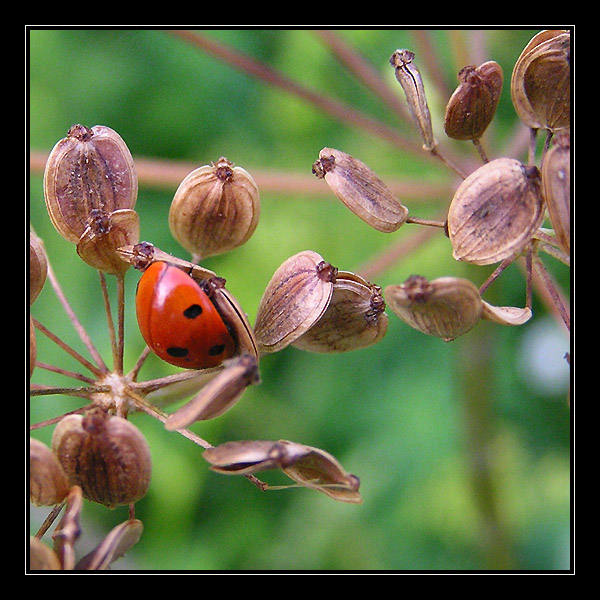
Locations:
(502, 211)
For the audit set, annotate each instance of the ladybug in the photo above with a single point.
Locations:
(178, 321)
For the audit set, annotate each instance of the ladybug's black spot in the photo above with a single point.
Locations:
(216, 349)
(177, 351)
(192, 311)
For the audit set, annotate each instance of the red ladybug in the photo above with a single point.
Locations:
(178, 321)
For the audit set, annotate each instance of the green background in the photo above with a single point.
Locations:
(462, 448)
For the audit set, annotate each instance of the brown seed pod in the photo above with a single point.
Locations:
(107, 456)
(505, 315)
(48, 484)
(215, 209)
(294, 300)
(473, 104)
(446, 307)
(410, 79)
(105, 233)
(38, 266)
(246, 456)
(354, 319)
(541, 81)
(357, 186)
(495, 212)
(218, 395)
(90, 169)
(41, 557)
(556, 181)
(319, 470)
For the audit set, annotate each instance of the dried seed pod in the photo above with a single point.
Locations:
(89, 169)
(354, 319)
(105, 233)
(215, 209)
(556, 182)
(294, 300)
(410, 79)
(48, 484)
(495, 212)
(38, 266)
(541, 81)
(446, 307)
(357, 186)
(319, 470)
(473, 104)
(107, 456)
(505, 315)
(120, 539)
(218, 395)
(246, 456)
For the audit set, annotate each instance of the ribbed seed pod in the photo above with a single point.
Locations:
(556, 181)
(294, 300)
(90, 169)
(473, 104)
(48, 484)
(357, 186)
(107, 456)
(541, 81)
(38, 266)
(446, 307)
(215, 209)
(354, 319)
(495, 211)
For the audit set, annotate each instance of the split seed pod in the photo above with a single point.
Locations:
(90, 169)
(215, 209)
(105, 233)
(218, 395)
(357, 186)
(306, 465)
(354, 319)
(541, 81)
(48, 484)
(107, 456)
(495, 211)
(556, 181)
(473, 104)
(446, 307)
(294, 300)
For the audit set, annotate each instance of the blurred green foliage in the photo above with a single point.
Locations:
(393, 414)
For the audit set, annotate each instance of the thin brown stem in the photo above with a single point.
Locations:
(61, 371)
(552, 290)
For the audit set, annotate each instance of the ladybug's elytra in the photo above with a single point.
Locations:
(178, 321)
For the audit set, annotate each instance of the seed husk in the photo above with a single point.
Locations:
(354, 319)
(294, 300)
(48, 484)
(495, 212)
(541, 81)
(38, 266)
(104, 234)
(215, 209)
(107, 456)
(556, 181)
(357, 186)
(446, 307)
(90, 169)
(473, 104)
